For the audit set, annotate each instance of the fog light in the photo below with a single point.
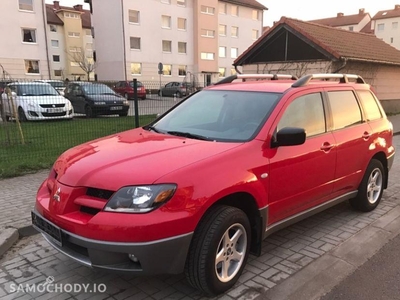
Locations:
(32, 113)
(133, 258)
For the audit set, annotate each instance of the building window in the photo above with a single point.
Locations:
(134, 16)
(135, 43)
(234, 52)
(351, 28)
(233, 71)
(222, 7)
(381, 27)
(207, 55)
(57, 73)
(222, 29)
(221, 72)
(74, 64)
(395, 25)
(167, 46)
(254, 34)
(207, 33)
(235, 10)
(235, 31)
(182, 47)
(74, 34)
(207, 10)
(88, 32)
(167, 71)
(26, 5)
(166, 1)
(391, 40)
(136, 68)
(56, 58)
(32, 67)
(181, 2)
(181, 23)
(29, 35)
(75, 49)
(165, 21)
(53, 28)
(182, 70)
(72, 15)
(222, 51)
(255, 14)
(54, 43)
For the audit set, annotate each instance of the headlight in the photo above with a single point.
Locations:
(126, 102)
(140, 199)
(99, 103)
(32, 105)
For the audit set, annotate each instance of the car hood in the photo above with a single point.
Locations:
(109, 98)
(56, 99)
(130, 158)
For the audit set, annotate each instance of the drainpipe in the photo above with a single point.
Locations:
(342, 66)
(237, 71)
(123, 38)
(45, 37)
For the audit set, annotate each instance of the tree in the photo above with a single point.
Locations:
(85, 62)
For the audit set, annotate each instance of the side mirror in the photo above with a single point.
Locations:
(289, 136)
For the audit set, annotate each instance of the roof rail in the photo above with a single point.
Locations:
(255, 76)
(344, 78)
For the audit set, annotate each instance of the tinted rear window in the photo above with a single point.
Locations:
(370, 105)
(345, 109)
(139, 84)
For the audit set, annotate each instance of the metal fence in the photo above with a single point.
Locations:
(41, 119)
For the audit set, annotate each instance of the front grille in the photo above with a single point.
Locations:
(60, 114)
(51, 105)
(89, 210)
(99, 193)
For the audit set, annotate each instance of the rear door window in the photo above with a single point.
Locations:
(345, 109)
(370, 105)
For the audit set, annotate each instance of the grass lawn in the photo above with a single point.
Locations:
(45, 141)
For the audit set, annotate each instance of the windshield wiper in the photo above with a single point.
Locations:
(149, 128)
(107, 94)
(189, 135)
(48, 95)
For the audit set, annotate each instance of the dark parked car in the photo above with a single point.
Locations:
(125, 88)
(176, 88)
(95, 99)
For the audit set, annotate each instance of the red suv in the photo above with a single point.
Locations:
(199, 188)
(125, 88)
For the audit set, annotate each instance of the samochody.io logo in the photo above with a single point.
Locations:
(50, 286)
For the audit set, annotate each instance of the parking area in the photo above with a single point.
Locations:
(33, 262)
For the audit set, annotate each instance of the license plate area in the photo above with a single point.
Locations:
(48, 228)
(116, 107)
(54, 110)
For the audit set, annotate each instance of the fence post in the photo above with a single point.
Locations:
(136, 102)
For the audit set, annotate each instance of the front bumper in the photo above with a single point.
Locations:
(166, 256)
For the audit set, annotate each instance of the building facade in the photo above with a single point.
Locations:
(195, 39)
(386, 25)
(23, 53)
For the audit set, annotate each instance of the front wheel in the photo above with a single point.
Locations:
(21, 115)
(89, 112)
(371, 188)
(219, 250)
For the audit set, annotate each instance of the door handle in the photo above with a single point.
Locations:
(366, 135)
(326, 147)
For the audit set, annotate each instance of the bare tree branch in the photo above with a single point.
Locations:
(87, 64)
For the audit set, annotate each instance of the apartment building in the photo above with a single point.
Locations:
(385, 24)
(191, 38)
(360, 22)
(23, 53)
(70, 42)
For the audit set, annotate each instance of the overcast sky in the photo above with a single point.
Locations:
(302, 9)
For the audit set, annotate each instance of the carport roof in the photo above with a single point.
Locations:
(315, 41)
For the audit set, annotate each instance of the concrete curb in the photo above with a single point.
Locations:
(8, 237)
(322, 275)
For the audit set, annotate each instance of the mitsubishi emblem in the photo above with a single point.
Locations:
(56, 196)
(54, 105)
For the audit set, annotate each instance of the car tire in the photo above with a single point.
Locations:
(159, 93)
(123, 114)
(144, 98)
(208, 255)
(21, 115)
(179, 94)
(89, 112)
(126, 96)
(371, 188)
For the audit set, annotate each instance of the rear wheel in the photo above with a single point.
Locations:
(159, 93)
(21, 115)
(219, 250)
(371, 188)
(179, 94)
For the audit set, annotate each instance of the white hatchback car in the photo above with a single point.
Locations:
(36, 101)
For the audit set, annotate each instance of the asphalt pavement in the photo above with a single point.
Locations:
(304, 261)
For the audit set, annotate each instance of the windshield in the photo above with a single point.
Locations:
(97, 89)
(34, 90)
(219, 115)
(57, 84)
(139, 84)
